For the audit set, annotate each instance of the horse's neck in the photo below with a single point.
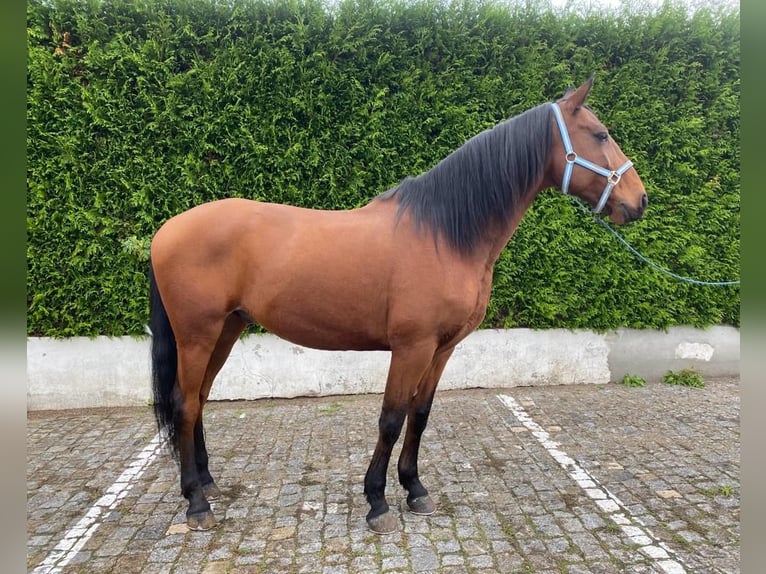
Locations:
(503, 231)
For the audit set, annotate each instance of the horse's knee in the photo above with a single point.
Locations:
(390, 425)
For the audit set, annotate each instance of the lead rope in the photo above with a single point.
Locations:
(635, 252)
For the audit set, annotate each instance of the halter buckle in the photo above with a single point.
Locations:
(571, 157)
(614, 178)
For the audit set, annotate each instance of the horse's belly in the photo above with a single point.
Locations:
(327, 332)
(345, 315)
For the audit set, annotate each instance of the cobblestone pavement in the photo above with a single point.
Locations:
(572, 479)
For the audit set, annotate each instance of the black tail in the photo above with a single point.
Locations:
(164, 364)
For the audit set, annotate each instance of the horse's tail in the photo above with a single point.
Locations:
(164, 364)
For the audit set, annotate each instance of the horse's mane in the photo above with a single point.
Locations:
(481, 182)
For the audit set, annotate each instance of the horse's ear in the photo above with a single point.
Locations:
(576, 98)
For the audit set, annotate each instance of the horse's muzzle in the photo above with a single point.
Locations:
(633, 213)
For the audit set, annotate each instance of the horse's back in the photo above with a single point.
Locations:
(218, 231)
(301, 273)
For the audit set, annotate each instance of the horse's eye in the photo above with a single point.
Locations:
(602, 136)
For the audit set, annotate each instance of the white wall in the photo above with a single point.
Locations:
(108, 372)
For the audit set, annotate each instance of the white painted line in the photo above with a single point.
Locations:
(76, 537)
(630, 525)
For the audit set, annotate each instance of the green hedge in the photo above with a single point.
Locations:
(138, 110)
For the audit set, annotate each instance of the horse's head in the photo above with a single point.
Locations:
(590, 164)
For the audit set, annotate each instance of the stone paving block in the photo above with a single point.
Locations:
(291, 473)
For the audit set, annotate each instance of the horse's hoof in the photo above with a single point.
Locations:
(201, 520)
(385, 523)
(422, 505)
(211, 491)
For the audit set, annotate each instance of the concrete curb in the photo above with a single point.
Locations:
(110, 372)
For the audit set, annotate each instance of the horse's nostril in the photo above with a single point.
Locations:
(644, 201)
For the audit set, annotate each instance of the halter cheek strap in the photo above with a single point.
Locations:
(612, 177)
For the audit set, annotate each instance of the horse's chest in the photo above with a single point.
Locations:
(467, 300)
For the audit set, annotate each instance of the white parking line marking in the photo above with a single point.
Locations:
(630, 525)
(76, 537)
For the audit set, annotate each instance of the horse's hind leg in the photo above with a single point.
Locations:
(209, 487)
(232, 329)
(193, 358)
(418, 499)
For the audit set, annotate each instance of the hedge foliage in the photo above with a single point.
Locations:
(140, 109)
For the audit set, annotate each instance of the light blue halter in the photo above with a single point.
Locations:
(612, 177)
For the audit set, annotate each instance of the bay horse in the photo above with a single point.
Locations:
(410, 272)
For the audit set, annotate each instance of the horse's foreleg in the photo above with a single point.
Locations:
(407, 368)
(418, 499)
(379, 518)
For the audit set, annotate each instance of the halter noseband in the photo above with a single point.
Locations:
(612, 177)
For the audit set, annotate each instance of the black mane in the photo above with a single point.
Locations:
(481, 182)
